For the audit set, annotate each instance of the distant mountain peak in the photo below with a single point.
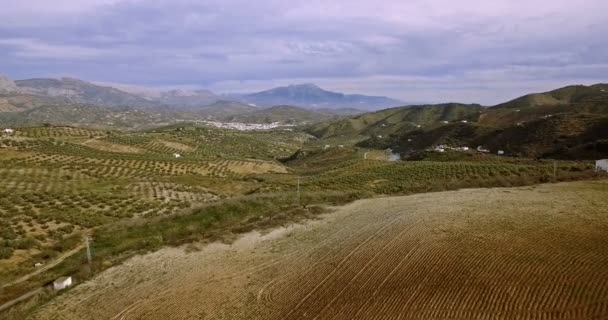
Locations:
(311, 95)
(305, 85)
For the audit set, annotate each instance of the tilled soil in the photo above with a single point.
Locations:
(507, 253)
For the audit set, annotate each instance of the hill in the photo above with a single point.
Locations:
(76, 90)
(15, 102)
(91, 115)
(394, 120)
(223, 109)
(310, 95)
(561, 96)
(563, 136)
(188, 98)
(282, 114)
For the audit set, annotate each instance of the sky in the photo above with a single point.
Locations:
(414, 50)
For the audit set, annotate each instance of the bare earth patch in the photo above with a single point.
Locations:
(517, 253)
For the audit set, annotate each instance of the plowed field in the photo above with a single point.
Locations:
(512, 253)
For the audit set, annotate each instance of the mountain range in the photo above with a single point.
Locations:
(79, 91)
(569, 122)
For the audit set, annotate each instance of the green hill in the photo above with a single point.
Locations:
(568, 136)
(569, 122)
(282, 114)
(395, 120)
(561, 96)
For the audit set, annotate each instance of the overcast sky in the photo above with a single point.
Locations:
(420, 50)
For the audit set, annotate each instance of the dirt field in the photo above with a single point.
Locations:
(520, 253)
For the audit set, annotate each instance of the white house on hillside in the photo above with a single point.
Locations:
(62, 283)
(601, 165)
(8, 131)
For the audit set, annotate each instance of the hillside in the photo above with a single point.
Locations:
(15, 102)
(223, 109)
(188, 98)
(76, 90)
(562, 136)
(310, 95)
(7, 85)
(561, 96)
(394, 120)
(568, 123)
(282, 114)
(90, 115)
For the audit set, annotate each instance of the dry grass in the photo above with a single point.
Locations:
(534, 253)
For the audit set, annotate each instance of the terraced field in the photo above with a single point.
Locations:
(512, 253)
(58, 182)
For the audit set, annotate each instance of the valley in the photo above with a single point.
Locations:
(137, 180)
(303, 160)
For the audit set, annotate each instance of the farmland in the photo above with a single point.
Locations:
(139, 191)
(535, 253)
(59, 182)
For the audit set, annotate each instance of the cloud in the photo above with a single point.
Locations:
(339, 43)
(33, 48)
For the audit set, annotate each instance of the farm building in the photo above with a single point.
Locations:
(601, 165)
(62, 283)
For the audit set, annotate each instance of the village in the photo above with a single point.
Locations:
(246, 126)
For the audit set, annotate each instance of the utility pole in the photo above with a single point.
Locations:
(298, 192)
(555, 170)
(89, 258)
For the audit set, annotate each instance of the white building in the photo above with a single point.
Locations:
(177, 155)
(501, 152)
(601, 165)
(481, 149)
(62, 283)
(8, 131)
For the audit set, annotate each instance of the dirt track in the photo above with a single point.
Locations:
(522, 253)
